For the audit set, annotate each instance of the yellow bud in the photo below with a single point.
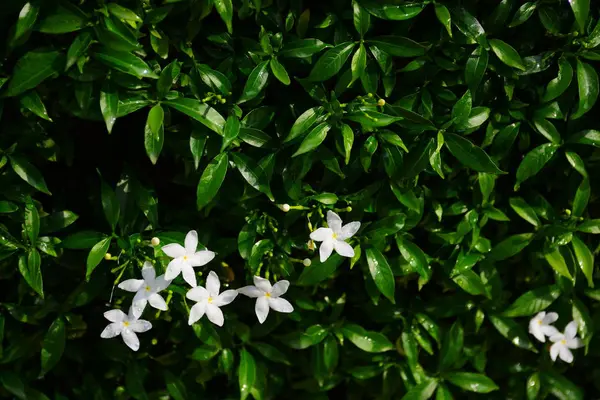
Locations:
(285, 207)
(370, 95)
(155, 241)
(348, 208)
(107, 256)
(381, 102)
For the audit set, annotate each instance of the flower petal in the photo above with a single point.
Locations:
(280, 288)
(343, 248)
(262, 308)
(201, 258)
(111, 330)
(140, 326)
(574, 343)
(174, 250)
(160, 283)
(536, 331)
(321, 234)
(325, 250)
(191, 242)
(549, 318)
(334, 221)
(280, 305)
(225, 298)
(115, 316)
(263, 284)
(174, 268)
(188, 274)
(140, 295)
(565, 354)
(196, 312)
(554, 349)
(137, 308)
(557, 338)
(197, 294)
(251, 291)
(213, 285)
(349, 230)
(131, 339)
(131, 285)
(214, 314)
(148, 272)
(157, 301)
(549, 330)
(571, 330)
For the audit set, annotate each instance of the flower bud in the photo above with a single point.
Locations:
(306, 262)
(285, 207)
(381, 102)
(370, 95)
(348, 208)
(311, 245)
(155, 241)
(107, 256)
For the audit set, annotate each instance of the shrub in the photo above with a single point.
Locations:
(456, 137)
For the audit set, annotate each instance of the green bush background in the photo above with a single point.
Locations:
(127, 120)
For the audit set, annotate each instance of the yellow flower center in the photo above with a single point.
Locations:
(185, 258)
(267, 294)
(210, 300)
(540, 321)
(148, 288)
(334, 235)
(125, 323)
(564, 341)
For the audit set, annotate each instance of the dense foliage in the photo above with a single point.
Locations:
(460, 134)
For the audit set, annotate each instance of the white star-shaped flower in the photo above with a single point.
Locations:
(564, 342)
(267, 296)
(146, 290)
(540, 327)
(185, 258)
(209, 300)
(335, 237)
(126, 326)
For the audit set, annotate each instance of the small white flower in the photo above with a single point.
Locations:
(335, 237)
(540, 327)
(267, 296)
(185, 258)
(126, 326)
(209, 300)
(563, 342)
(146, 290)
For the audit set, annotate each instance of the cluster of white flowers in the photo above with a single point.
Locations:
(540, 326)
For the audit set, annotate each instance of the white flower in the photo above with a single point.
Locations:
(185, 258)
(540, 327)
(209, 300)
(335, 236)
(126, 326)
(146, 290)
(267, 296)
(563, 342)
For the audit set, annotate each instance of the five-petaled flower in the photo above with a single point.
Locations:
(540, 327)
(126, 326)
(209, 300)
(564, 342)
(267, 296)
(185, 258)
(335, 237)
(146, 290)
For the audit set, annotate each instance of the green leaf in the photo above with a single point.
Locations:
(304, 122)
(443, 15)
(13, 384)
(28, 173)
(167, 78)
(96, 255)
(110, 204)
(533, 301)
(369, 341)
(476, 67)
(123, 12)
(109, 103)
(560, 84)
(547, 129)
(201, 112)
(452, 346)
(359, 63)
(399, 46)
(124, 62)
(53, 345)
(175, 386)
(471, 382)
(348, 138)
(415, 257)
(585, 258)
(422, 391)
(252, 173)
(214, 79)
(27, 18)
(512, 331)
(476, 118)
(225, 10)
(589, 136)
(470, 155)
(82, 240)
(154, 133)
(279, 71)
(256, 82)
(34, 68)
(57, 221)
(587, 81)
(271, 353)
(302, 48)
(581, 10)
(78, 48)
(462, 109)
(231, 131)
(6, 207)
(534, 161)
(469, 25)
(557, 262)
(254, 137)
(470, 282)
(361, 18)
(246, 373)
(392, 12)
(523, 14)
(211, 180)
(386, 226)
(63, 18)
(507, 54)
(510, 246)
(32, 101)
(525, 211)
(30, 268)
(533, 386)
(381, 273)
(32, 222)
(318, 271)
(314, 138)
(561, 387)
(330, 63)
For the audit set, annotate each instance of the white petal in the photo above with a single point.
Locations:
(131, 285)
(343, 248)
(115, 316)
(196, 312)
(188, 274)
(201, 258)
(148, 272)
(141, 295)
(571, 330)
(321, 234)
(574, 343)
(554, 349)
(325, 250)
(174, 268)
(263, 284)
(539, 316)
(191, 242)
(157, 301)
(197, 294)
(280, 305)
(140, 326)
(557, 337)
(131, 339)
(262, 309)
(549, 318)
(212, 284)
(112, 330)
(334, 221)
(251, 291)
(160, 283)
(225, 298)
(349, 230)
(565, 354)
(214, 314)
(536, 331)
(549, 330)
(280, 288)
(174, 250)
(137, 308)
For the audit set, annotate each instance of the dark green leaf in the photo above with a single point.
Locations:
(381, 273)
(62, 18)
(507, 54)
(470, 155)
(584, 257)
(28, 173)
(34, 68)
(154, 133)
(477, 383)
(587, 81)
(532, 302)
(96, 255)
(534, 161)
(279, 71)
(256, 82)
(302, 48)
(211, 180)
(246, 373)
(331, 62)
(201, 112)
(560, 84)
(399, 46)
(314, 138)
(513, 332)
(53, 345)
(369, 341)
(124, 62)
(225, 10)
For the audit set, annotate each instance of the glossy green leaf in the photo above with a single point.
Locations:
(523, 14)
(26, 20)
(330, 63)
(175, 386)
(314, 138)
(470, 155)
(585, 259)
(415, 257)
(30, 268)
(587, 82)
(359, 63)
(443, 15)
(109, 103)
(381, 273)
(507, 54)
(230, 132)
(422, 391)
(214, 79)
(361, 18)
(279, 71)
(547, 129)
(96, 255)
(34, 68)
(225, 10)
(393, 12)
(154, 133)
(257, 81)
(168, 77)
(252, 173)
(201, 112)
(28, 173)
(369, 341)
(533, 301)
(476, 67)
(302, 48)
(512, 331)
(469, 25)
(560, 84)
(510, 246)
(462, 109)
(525, 211)
(211, 180)
(534, 161)
(557, 262)
(452, 346)
(246, 373)
(581, 10)
(124, 62)
(53, 345)
(471, 382)
(78, 48)
(32, 101)
(62, 17)
(398, 46)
